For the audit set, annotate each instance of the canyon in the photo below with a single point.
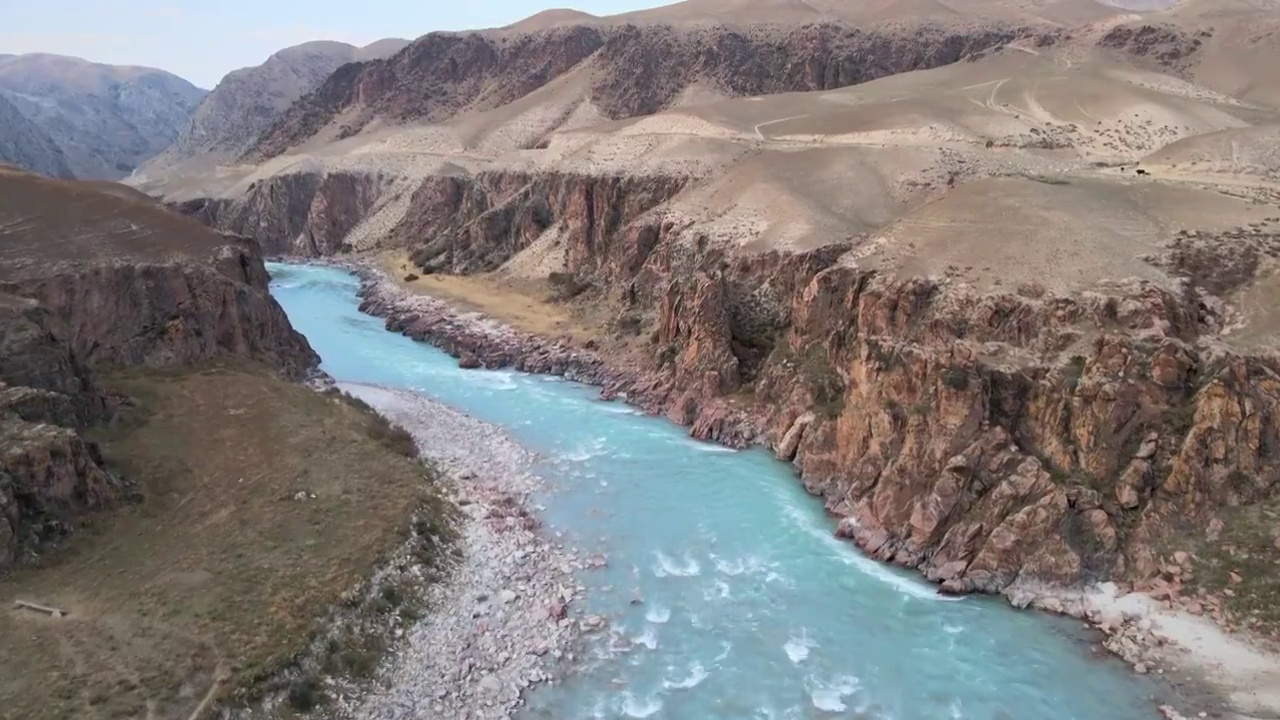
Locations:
(882, 286)
(996, 281)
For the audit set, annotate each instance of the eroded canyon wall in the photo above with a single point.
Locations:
(988, 439)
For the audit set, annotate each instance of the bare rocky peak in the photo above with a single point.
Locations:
(106, 118)
(24, 144)
(247, 101)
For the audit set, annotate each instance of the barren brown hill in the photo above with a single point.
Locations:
(551, 18)
(635, 70)
(682, 54)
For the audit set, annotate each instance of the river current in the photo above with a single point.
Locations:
(751, 609)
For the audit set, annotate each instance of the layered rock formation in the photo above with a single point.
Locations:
(107, 119)
(92, 281)
(880, 283)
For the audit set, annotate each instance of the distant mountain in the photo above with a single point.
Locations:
(247, 101)
(106, 118)
(24, 144)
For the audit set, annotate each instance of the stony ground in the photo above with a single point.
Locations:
(495, 629)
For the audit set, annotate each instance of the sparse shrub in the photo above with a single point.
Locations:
(392, 436)
(629, 323)
(956, 378)
(306, 694)
(410, 277)
(566, 286)
(392, 594)
(353, 656)
(1074, 371)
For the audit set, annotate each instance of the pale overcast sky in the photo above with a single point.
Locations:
(202, 40)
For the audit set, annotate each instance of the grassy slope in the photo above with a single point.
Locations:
(219, 572)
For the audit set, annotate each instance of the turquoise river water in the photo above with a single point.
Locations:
(752, 610)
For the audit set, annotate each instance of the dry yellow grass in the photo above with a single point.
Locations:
(219, 572)
(518, 303)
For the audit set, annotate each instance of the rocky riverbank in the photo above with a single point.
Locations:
(1215, 672)
(502, 622)
(480, 341)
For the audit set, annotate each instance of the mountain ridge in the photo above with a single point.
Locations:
(106, 119)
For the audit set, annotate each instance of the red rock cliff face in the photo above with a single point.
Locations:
(474, 224)
(988, 440)
(302, 214)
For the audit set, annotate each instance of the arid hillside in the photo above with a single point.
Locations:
(998, 279)
(25, 145)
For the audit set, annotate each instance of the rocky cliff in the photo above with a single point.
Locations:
(92, 281)
(991, 439)
(634, 69)
(106, 119)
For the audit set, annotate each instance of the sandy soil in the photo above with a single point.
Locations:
(1247, 674)
(519, 302)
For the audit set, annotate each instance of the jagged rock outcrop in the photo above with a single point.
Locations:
(106, 119)
(475, 224)
(79, 296)
(636, 69)
(49, 476)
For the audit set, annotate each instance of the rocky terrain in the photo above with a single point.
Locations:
(23, 144)
(998, 282)
(634, 70)
(91, 282)
(502, 622)
(1093, 383)
(106, 119)
(247, 101)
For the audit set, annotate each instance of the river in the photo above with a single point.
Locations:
(751, 609)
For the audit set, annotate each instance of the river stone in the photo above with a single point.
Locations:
(490, 684)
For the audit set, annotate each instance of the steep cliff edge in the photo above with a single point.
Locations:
(93, 281)
(993, 439)
(1000, 354)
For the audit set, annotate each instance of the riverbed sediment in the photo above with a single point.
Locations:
(501, 622)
